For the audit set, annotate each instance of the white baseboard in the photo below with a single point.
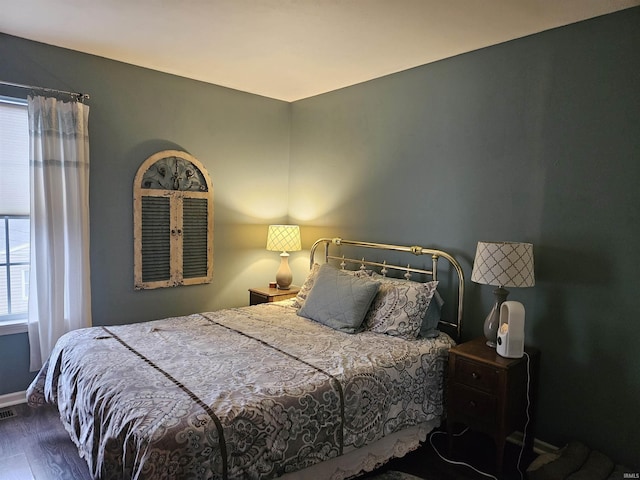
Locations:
(13, 399)
(539, 446)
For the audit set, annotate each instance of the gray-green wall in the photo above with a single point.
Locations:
(242, 139)
(535, 140)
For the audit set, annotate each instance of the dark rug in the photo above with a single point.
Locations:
(393, 475)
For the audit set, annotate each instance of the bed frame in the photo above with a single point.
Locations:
(380, 249)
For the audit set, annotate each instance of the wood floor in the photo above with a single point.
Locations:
(35, 446)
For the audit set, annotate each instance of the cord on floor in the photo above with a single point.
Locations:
(455, 462)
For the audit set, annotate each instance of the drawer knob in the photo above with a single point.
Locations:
(472, 404)
(475, 376)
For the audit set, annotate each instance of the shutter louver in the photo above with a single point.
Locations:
(156, 239)
(195, 238)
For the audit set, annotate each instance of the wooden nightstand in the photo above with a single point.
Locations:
(488, 393)
(267, 294)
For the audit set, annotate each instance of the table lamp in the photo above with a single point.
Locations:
(284, 238)
(502, 264)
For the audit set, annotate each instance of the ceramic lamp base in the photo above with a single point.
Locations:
(284, 277)
(492, 321)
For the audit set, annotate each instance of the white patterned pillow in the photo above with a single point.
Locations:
(302, 295)
(399, 307)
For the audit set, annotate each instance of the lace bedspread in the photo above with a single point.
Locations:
(252, 392)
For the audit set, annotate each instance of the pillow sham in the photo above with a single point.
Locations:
(429, 328)
(338, 299)
(399, 307)
(301, 297)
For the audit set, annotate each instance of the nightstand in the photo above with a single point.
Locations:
(488, 393)
(267, 294)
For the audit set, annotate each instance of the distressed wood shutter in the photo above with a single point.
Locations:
(173, 222)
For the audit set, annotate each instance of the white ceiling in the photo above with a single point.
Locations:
(287, 49)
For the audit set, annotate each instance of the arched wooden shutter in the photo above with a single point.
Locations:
(173, 221)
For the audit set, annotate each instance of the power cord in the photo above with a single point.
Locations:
(524, 435)
(526, 425)
(454, 462)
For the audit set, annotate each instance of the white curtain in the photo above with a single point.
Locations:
(59, 280)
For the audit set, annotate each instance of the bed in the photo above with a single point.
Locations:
(293, 389)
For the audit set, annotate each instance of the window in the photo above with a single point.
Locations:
(14, 211)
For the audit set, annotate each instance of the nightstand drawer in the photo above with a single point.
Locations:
(476, 375)
(473, 403)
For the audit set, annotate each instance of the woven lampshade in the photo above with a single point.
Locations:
(504, 264)
(284, 238)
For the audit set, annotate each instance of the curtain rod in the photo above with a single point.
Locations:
(80, 96)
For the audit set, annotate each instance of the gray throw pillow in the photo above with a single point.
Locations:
(339, 300)
(429, 328)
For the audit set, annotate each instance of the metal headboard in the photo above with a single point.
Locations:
(408, 270)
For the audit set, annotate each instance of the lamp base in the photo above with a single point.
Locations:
(284, 277)
(491, 323)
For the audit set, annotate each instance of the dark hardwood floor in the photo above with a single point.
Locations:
(35, 446)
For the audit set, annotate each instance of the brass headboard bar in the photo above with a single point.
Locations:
(414, 249)
(369, 263)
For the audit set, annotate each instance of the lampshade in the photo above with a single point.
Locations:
(284, 238)
(504, 264)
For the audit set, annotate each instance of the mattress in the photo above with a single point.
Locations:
(251, 392)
